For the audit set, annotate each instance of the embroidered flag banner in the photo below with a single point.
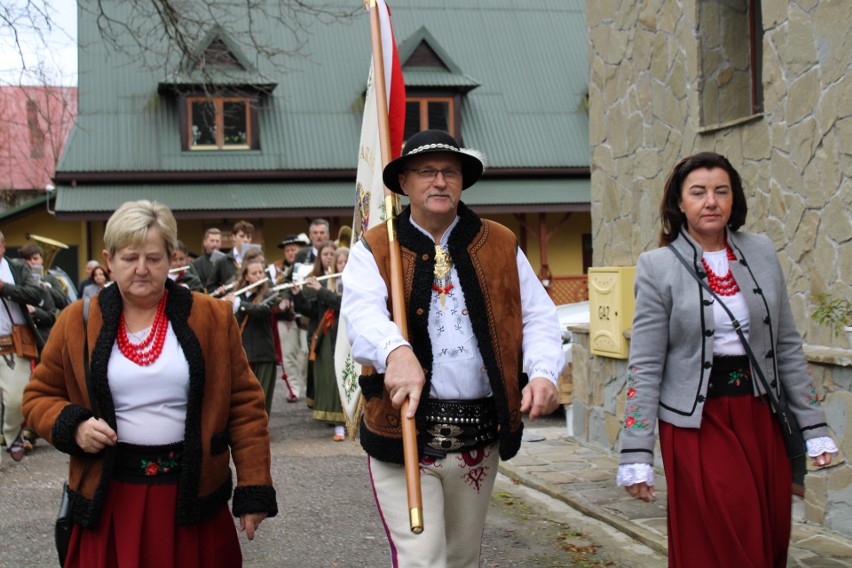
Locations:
(370, 190)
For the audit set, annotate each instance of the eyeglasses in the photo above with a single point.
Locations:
(429, 174)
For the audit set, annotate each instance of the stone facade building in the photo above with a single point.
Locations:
(768, 84)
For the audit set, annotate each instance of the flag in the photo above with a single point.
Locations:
(369, 191)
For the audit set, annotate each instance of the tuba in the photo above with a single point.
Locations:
(50, 246)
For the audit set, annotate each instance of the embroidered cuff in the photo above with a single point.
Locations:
(821, 445)
(385, 349)
(633, 473)
(543, 372)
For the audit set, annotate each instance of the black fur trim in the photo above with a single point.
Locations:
(220, 442)
(65, 429)
(255, 499)
(372, 386)
(380, 447)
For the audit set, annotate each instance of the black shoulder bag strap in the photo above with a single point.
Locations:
(92, 401)
(793, 438)
(64, 521)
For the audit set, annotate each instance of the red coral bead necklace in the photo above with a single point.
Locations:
(149, 350)
(722, 285)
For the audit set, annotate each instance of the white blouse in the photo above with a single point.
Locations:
(458, 370)
(150, 402)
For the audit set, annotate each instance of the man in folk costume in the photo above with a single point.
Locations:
(293, 358)
(226, 268)
(17, 289)
(479, 324)
(203, 266)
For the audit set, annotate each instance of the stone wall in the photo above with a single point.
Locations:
(649, 106)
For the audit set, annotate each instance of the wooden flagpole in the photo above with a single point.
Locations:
(409, 430)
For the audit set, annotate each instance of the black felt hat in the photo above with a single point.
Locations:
(431, 142)
(293, 240)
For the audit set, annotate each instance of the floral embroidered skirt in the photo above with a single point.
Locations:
(138, 527)
(729, 487)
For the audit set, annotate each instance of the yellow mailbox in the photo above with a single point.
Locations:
(611, 304)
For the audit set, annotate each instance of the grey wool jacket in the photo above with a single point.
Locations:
(671, 351)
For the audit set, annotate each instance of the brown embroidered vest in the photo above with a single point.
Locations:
(485, 257)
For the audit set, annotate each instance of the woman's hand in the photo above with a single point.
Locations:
(642, 491)
(823, 460)
(249, 523)
(94, 435)
(230, 297)
(312, 283)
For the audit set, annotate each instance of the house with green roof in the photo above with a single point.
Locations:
(232, 132)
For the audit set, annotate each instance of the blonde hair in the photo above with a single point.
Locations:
(130, 223)
(338, 252)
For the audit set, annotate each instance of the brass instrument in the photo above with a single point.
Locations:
(50, 246)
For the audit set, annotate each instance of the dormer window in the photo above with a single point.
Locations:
(425, 113)
(435, 86)
(219, 123)
(219, 97)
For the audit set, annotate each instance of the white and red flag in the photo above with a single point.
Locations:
(369, 187)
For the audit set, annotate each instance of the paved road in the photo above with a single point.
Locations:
(328, 516)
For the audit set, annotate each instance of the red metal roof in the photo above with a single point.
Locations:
(34, 125)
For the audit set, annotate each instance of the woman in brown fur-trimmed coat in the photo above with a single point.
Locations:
(174, 402)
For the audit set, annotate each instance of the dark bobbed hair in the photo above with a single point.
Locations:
(671, 218)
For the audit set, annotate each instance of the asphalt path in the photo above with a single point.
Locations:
(327, 513)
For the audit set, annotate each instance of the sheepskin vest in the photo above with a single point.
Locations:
(485, 256)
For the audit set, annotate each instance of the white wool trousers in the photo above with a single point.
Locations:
(12, 383)
(456, 492)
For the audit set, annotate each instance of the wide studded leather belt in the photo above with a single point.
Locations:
(457, 425)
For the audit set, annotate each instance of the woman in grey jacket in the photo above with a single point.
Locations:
(727, 471)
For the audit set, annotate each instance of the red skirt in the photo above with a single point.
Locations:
(729, 487)
(137, 529)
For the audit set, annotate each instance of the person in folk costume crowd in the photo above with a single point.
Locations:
(100, 278)
(727, 471)
(304, 300)
(325, 304)
(90, 265)
(253, 311)
(203, 267)
(319, 232)
(184, 275)
(174, 401)
(44, 314)
(225, 269)
(33, 256)
(460, 273)
(18, 289)
(293, 358)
